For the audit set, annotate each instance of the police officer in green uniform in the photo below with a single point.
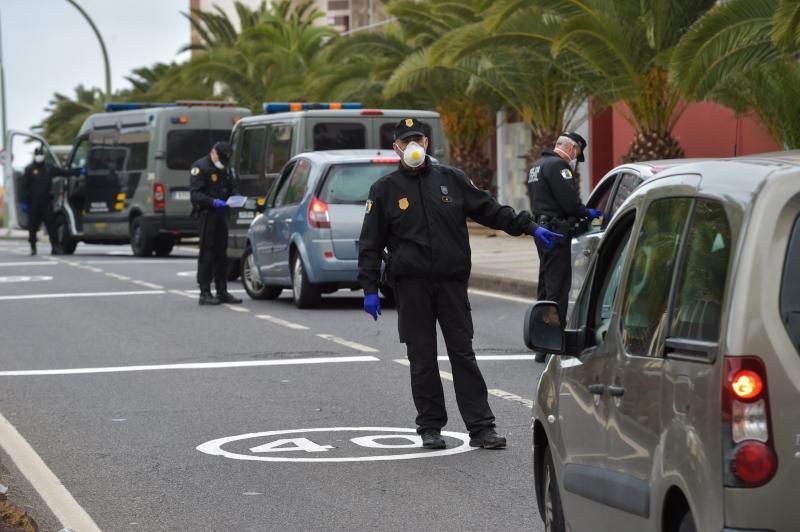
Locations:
(558, 207)
(419, 214)
(211, 185)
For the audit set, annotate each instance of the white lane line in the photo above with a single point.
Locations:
(498, 357)
(504, 297)
(347, 343)
(237, 308)
(183, 294)
(118, 276)
(52, 491)
(284, 323)
(148, 285)
(233, 291)
(38, 263)
(141, 262)
(91, 269)
(191, 365)
(81, 294)
(502, 394)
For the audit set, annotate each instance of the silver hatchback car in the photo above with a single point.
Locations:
(307, 237)
(672, 402)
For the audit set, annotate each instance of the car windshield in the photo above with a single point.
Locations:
(350, 183)
(185, 146)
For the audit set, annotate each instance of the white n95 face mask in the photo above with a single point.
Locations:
(573, 163)
(414, 155)
(219, 165)
(38, 158)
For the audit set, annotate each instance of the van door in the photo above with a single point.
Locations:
(17, 155)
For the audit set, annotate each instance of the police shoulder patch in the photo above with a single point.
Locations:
(195, 170)
(566, 174)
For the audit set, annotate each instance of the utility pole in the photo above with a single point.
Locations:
(3, 90)
(102, 47)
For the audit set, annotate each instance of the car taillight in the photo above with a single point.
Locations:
(385, 160)
(159, 198)
(318, 215)
(750, 454)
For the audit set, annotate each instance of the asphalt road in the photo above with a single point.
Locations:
(134, 396)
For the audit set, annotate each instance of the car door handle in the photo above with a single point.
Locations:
(616, 391)
(597, 389)
(587, 252)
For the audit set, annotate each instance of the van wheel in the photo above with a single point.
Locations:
(65, 242)
(252, 282)
(305, 294)
(234, 269)
(687, 523)
(164, 246)
(141, 245)
(551, 498)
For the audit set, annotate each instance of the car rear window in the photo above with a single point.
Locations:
(340, 136)
(350, 183)
(790, 287)
(185, 146)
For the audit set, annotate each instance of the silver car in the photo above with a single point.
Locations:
(307, 237)
(672, 402)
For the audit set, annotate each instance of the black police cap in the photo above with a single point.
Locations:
(580, 141)
(409, 127)
(223, 150)
(39, 150)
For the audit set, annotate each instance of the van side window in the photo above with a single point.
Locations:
(135, 144)
(701, 285)
(279, 147)
(790, 287)
(251, 160)
(80, 155)
(644, 310)
(339, 136)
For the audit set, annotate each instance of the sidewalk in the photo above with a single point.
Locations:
(503, 263)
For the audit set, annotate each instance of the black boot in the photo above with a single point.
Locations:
(432, 439)
(33, 249)
(488, 439)
(225, 297)
(207, 298)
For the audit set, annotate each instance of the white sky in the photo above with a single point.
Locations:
(49, 47)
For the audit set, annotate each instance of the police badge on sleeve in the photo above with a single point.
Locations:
(566, 174)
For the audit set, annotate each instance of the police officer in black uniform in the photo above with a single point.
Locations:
(558, 207)
(419, 214)
(37, 197)
(211, 185)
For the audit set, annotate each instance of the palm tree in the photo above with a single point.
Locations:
(66, 115)
(164, 83)
(744, 55)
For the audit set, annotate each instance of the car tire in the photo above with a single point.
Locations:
(163, 246)
(252, 282)
(65, 242)
(141, 245)
(687, 523)
(234, 269)
(304, 293)
(553, 512)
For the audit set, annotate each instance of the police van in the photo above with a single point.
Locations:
(135, 186)
(263, 144)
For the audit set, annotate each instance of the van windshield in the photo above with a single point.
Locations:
(350, 183)
(790, 287)
(185, 146)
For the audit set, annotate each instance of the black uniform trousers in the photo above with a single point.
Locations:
(421, 302)
(212, 263)
(555, 273)
(41, 211)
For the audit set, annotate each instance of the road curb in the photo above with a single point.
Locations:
(503, 285)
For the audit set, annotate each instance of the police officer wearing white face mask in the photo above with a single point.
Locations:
(558, 207)
(419, 214)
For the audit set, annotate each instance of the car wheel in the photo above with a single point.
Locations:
(252, 282)
(687, 523)
(553, 512)
(234, 269)
(306, 295)
(141, 245)
(164, 246)
(65, 242)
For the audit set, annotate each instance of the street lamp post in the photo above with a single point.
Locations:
(102, 47)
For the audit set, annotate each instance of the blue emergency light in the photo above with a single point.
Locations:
(133, 106)
(287, 107)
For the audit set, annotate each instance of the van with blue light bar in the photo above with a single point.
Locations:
(263, 144)
(137, 158)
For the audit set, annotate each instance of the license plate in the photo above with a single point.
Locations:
(181, 195)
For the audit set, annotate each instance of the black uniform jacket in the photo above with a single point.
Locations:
(420, 216)
(38, 181)
(553, 188)
(209, 183)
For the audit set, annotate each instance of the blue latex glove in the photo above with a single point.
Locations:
(372, 305)
(219, 204)
(548, 238)
(24, 207)
(84, 172)
(594, 213)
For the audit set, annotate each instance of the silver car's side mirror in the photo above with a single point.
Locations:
(544, 328)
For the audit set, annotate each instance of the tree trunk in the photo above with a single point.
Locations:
(653, 145)
(475, 163)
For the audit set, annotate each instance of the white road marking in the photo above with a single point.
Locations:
(190, 365)
(118, 276)
(37, 263)
(141, 262)
(91, 269)
(234, 291)
(81, 294)
(504, 297)
(190, 273)
(508, 396)
(347, 343)
(237, 308)
(284, 323)
(498, 357)
(183, 294)
(148, 285)
(52, 491)
(25, 278)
